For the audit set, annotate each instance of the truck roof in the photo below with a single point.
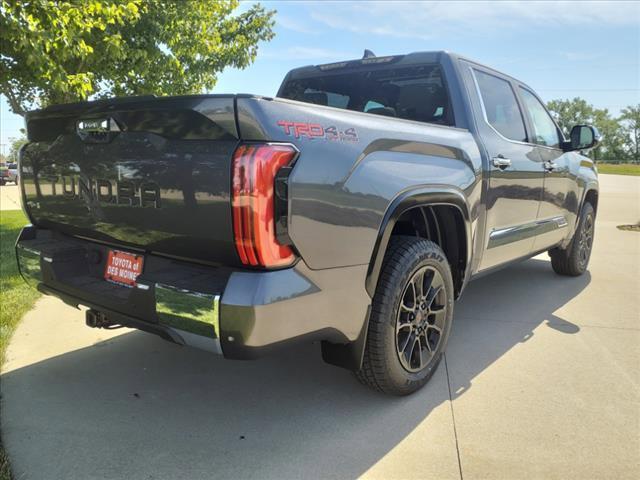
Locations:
(413, 58)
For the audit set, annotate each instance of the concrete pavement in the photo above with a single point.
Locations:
(541, 380)
(9, 197)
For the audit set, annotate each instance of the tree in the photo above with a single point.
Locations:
(577, 111)
(630, 117)
(612, 146)
(14, 145)
(56, 51)
(571, 112)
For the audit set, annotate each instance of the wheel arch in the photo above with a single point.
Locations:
(350, 355)
(591, 196)
(411, 202)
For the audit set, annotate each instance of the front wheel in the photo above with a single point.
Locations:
(573, 260)
(410, 317)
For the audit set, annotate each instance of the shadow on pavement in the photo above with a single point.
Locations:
(137, 407)
(502, 310)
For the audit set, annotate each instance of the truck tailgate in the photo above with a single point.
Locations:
(148, 173)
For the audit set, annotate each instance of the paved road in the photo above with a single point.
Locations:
(9, 197)
(541, 380)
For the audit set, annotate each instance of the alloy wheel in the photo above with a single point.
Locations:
(585, 241)
(420, 319)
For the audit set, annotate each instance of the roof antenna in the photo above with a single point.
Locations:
(368, 53)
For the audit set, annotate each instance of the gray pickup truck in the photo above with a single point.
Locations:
(352, 209)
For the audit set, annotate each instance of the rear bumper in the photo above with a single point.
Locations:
(237, 313)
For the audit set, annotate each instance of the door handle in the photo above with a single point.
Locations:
(501, 162)
(550, 166)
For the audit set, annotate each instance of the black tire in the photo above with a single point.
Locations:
(573, 260)
(396, 316)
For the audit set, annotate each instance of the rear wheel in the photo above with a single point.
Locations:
(573, 260)
(410, 318)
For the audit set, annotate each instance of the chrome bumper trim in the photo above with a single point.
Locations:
(195, 316)
(198, 341)
(29, 265)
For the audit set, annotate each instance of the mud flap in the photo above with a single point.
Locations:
(348, 355)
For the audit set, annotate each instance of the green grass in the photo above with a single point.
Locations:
(620, 169)
(5, 468)
(16, 297)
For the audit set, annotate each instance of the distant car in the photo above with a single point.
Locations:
(9, 173)
(13, 173)
(4, 175)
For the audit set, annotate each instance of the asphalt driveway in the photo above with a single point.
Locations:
(541, 380)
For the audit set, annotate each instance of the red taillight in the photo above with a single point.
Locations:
(253, 204)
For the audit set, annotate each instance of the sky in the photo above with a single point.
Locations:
(561, 49)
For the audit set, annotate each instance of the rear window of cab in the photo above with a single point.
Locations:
(412, 93)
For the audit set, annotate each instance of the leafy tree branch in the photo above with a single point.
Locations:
(57, 51)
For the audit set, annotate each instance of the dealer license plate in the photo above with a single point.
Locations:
(123, 268)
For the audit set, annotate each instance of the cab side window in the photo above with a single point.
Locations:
(501, 106)
(546, 132)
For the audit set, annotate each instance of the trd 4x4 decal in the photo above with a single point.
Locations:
(315, 130)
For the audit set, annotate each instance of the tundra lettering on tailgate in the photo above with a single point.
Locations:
(135, 194)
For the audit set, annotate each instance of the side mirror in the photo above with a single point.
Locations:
(583, 137)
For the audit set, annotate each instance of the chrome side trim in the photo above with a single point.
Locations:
(188, 311)
(561, 221)
(29, 265)
(507, 235)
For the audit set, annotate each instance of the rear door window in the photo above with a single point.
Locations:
(500, 106)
